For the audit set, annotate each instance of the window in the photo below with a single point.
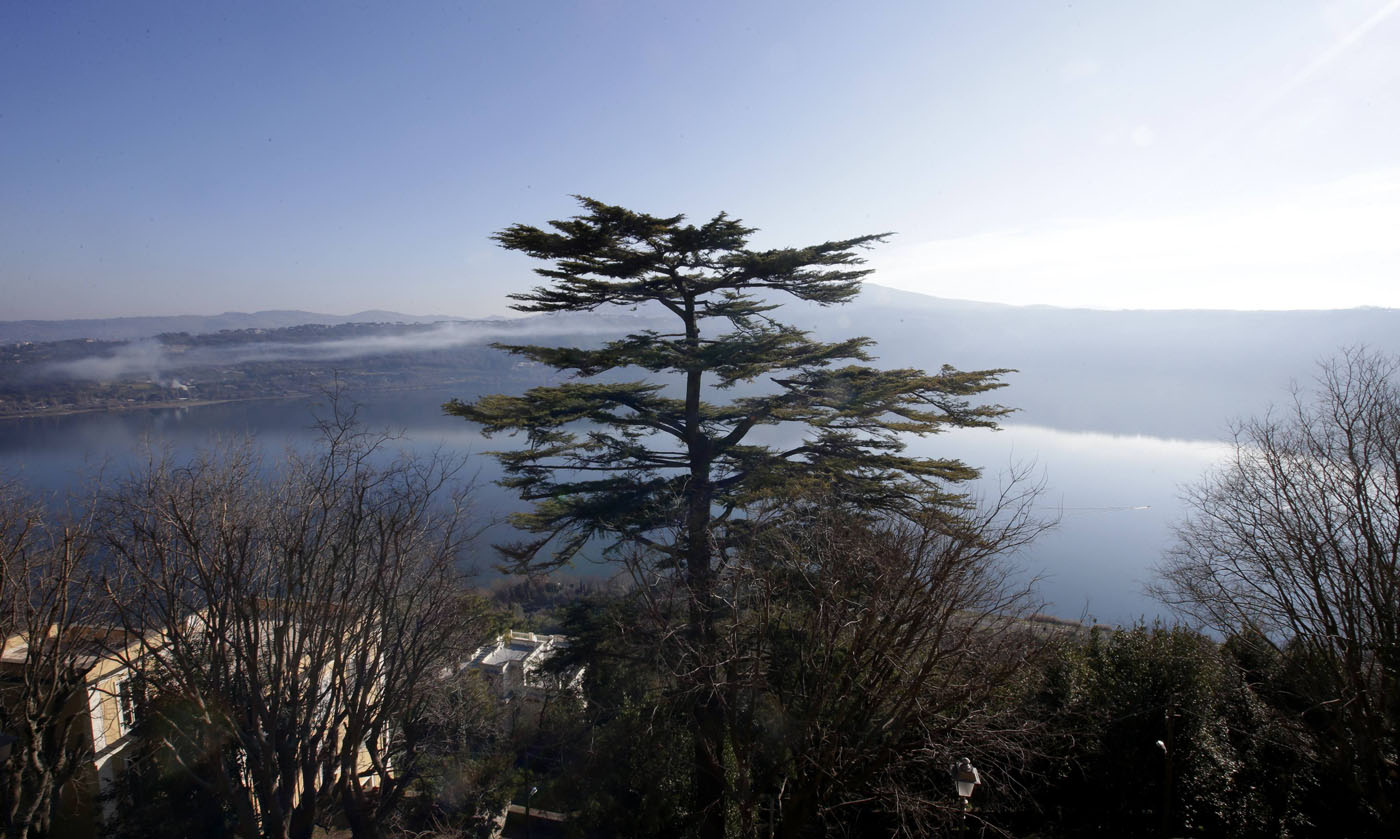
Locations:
(126, 704)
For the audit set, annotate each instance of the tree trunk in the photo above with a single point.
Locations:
(708, 711)
(32, 800)
(362, 825)
(709, 769)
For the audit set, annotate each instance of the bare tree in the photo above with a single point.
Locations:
(48, 641)
(1296, 541)
(298, 620)
(860, 656)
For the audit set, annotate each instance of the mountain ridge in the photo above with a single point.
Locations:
(872, 294)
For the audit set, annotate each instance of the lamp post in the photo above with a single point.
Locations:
(528, 796)
(965, 779)
(1166, 780)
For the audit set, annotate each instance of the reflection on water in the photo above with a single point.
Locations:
(1115, 496)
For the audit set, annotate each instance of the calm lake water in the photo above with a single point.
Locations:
(1115, 496)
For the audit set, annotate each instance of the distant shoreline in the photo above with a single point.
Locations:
(196, 403)
(69, 411)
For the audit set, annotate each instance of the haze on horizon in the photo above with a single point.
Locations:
(174, 158)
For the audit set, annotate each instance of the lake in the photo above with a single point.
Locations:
(1116, 496)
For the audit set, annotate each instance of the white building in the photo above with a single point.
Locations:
(514, 668)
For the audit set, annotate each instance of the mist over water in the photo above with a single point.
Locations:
(157, 359)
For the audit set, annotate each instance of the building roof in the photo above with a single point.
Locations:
(88, 644)
(523, 647)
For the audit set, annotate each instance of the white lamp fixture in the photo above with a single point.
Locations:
(966, 776)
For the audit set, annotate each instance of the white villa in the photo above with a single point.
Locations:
(513, 667)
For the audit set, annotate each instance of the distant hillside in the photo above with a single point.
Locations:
(126, 329)
(1183, 373)
(87, 374)
(1162, 373)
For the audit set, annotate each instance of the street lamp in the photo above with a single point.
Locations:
(528, 796)
(1166, 780)
(966, 777)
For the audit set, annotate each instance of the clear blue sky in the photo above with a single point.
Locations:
(164, 158)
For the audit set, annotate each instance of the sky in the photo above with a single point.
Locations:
(196, 158)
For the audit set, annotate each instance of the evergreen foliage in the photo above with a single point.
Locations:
(1164, 731)
(623, 459)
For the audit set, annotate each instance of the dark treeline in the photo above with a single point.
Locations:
(857, 675)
